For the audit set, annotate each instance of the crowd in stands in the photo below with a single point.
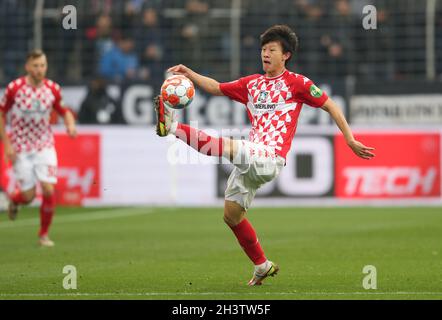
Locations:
(136, 40)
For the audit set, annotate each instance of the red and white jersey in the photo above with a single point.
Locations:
(274, 105)
(30, 109)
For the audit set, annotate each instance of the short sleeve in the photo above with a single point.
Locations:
(7, 100)
(310, 94)
(237, 90)
(58, 102)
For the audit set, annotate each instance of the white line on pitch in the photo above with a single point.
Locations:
(84, 216)
(212, 294)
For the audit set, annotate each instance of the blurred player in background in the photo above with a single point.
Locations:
(274, 101)
(29, 100)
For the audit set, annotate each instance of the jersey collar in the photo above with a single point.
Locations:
(32, 86)
(276, 77)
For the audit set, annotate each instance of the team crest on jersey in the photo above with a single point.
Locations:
(263, 96)
(315, 91)
(279, 85)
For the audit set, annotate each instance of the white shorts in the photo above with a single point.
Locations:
(255, 165)
(31, 167)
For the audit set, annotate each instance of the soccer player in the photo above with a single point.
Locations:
(274, 101)
(29, 101)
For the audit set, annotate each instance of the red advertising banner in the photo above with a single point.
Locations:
(79, 174)
(407, 165)
(78, 168)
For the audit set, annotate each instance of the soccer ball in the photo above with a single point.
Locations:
(177, 92)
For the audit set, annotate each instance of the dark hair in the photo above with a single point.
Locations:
(284, 35)
(34, 54)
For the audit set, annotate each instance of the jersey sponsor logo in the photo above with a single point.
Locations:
(265, 106)
(315, 91)
(263, 96)
(35, 109)
(36, 106)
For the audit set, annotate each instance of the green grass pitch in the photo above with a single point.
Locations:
(189, 253)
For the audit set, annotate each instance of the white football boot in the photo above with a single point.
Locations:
(259, 277)
(166, 122)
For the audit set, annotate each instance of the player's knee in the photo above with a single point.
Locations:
(48, 193)
(232, 219)
(48, 190)
(233, 213)
(28, 196)
(28, 200)
(228, 220)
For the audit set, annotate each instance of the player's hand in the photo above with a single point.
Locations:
(10, 154)
(72, 131)
(360, 150)
(180, 69)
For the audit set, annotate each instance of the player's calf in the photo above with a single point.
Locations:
(12, 210)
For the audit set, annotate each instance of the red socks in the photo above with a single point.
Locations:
(248, 240)
(46, 210)
(17, 197)
(197, 139)
(46, 213)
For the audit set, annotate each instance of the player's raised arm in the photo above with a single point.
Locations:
(336, 113)
(207, 84)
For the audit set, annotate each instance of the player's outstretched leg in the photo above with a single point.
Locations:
(197, 139)
(248, 240)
